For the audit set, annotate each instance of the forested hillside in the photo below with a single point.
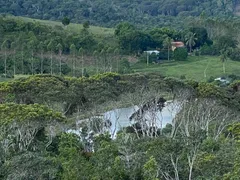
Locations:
(111, 12)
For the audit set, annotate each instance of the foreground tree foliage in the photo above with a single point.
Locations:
(25, 132)
(35, 141)
(24, 123)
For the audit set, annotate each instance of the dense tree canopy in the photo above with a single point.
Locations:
(102, 12)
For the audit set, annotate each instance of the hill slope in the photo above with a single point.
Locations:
(111, 12)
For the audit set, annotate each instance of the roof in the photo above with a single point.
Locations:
(152, 51)
(178, 44)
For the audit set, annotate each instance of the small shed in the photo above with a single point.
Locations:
(149, 54)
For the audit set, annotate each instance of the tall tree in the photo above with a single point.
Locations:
(22, 46)
(4, 47)
(73, 54)
(81, 53)
(103, 57)
(13, 47)
(190, 40)
(32, 47)
(95, 55)
(116, 57)
(60, 49)
(41, 48)
(167, 43)
(86, 24)
(223, 58)
(50, 48)
(109, 55)
(65, 21)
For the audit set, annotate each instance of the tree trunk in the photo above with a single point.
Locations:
(22, 63)
(41, 62)
(205, 70)
(82, 66)
(5, 63)
(224, 69)
(147, 59)
(60, 64)
(32, 63)
(74, 69)
(168, 53)
(14, 63)
(96, 65)
(51, 64)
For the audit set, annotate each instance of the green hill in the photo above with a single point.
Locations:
(72, 27)
(111, 12)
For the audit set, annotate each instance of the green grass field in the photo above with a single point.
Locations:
(193, 68)
(106, 35)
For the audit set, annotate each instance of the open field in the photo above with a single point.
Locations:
(72, 27)
(193, 68)
(106, 35)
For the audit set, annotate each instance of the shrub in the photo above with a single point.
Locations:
(180, 54)
(124, 67)
(208, 50)
(235, 55)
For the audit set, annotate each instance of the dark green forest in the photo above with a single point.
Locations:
(110, 13)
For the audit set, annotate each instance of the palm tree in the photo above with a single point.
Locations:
(190, 40)
(4, 47)
(167, 43)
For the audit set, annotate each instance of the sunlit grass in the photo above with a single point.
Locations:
(193, 68)
(72, 27)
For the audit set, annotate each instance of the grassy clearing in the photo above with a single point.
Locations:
(106, 35)
(72, 27)
(193, 68)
